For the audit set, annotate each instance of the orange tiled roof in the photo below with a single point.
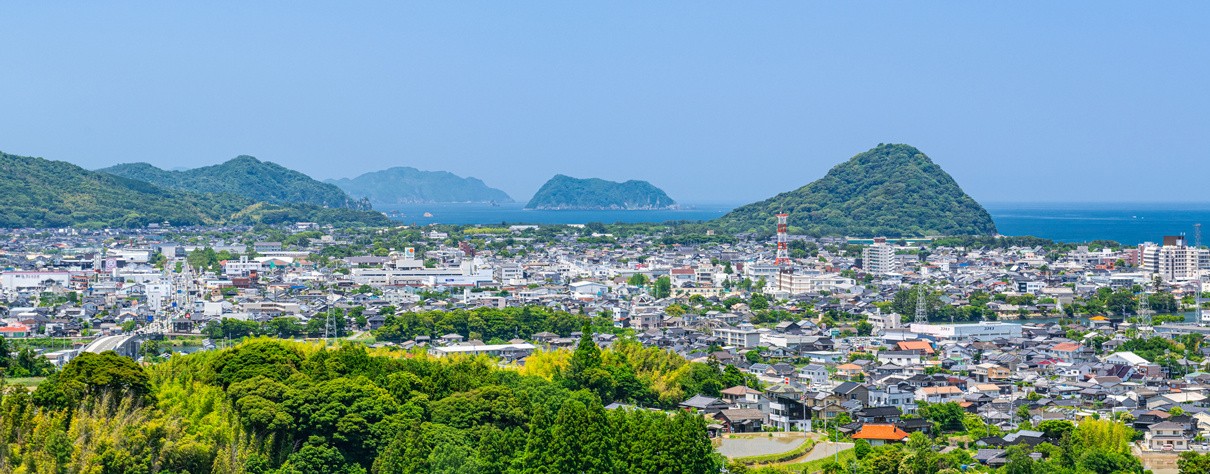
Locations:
(1066, 347)
(880, 431)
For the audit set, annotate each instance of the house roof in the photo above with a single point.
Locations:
(741, 414)
(885, 431)
(916, 346)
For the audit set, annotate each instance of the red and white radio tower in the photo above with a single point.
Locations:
(783, 251)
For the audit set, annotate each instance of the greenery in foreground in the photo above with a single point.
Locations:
(891, 190)
(272, 406)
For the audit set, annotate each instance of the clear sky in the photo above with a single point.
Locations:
(712, 101)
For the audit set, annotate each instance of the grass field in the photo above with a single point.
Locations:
(26, 381)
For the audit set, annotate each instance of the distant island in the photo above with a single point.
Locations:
(567, 193)
(891, 190)
(36, 192)
(406, 185)
(245, 176)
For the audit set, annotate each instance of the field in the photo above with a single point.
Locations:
(26, 381)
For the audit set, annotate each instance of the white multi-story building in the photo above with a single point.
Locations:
(742, 337)
(879, 257)
(1174, 260)
(795, 283)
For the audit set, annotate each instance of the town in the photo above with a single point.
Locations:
(866, 340)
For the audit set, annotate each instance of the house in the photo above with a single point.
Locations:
(848, 371)
(879, 434)
(1168, 436)
(920, 347)
(938, 394)
(704, 404)
(878, 415)
(853, 391)
(741, 420)
(741, 396)
(814, 374)
(988, 372)
(900, 358)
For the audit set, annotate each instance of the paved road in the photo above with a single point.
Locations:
(823, 450)
(107, 343)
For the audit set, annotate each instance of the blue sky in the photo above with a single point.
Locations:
(712, 101)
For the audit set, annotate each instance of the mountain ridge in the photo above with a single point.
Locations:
(246, 176)
(408, 185)
(891, 190)
(37, 192)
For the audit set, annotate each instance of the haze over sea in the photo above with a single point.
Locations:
(1128, 223)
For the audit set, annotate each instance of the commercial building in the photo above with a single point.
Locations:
(956, 332)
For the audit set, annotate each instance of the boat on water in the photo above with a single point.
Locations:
(428, 214)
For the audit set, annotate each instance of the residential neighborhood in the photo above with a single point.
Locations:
(1014, 337)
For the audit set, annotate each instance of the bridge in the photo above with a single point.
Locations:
(127, 345)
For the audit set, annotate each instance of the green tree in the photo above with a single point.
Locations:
(662, 288)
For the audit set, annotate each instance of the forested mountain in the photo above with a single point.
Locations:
(891, 190)
(36, 192)
(245, 176)
(402, 185)
(278, 407)
(565, 192)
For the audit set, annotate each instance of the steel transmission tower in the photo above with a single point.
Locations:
(783, 245)
(1144, 308)
(922, 316)
(1197, 247)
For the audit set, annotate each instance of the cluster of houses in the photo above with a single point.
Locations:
(75, 284)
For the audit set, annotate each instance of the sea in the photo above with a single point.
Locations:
(1126, 223)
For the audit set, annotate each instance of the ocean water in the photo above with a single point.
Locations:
(1127, 223)
(514, 213)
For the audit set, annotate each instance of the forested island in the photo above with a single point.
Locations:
(892, 190)
(407, 185)
(564, 192)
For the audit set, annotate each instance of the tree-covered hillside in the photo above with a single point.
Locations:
(892, 190)
(244, 176)
(36, 192)
(565, 192)
(277, 407)
(402, 185)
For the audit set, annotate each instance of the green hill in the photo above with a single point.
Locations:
(565, 192)
(402, 185)
(892, 190)
(36, 192)
(246, 176)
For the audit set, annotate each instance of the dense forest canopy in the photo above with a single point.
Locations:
(565, 192)
(271, 406)
(244, 176)
(36, 192)
(891, 190)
